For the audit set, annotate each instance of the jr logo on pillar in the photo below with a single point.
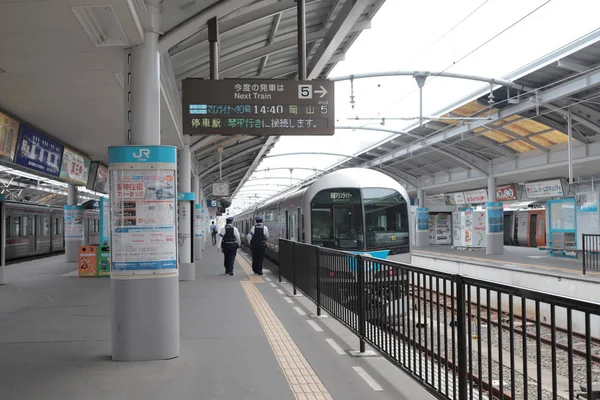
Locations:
(142, 155)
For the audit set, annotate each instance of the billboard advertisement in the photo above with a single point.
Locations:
(506, 193)
(9, 133)
(544, 189)
(75, 167)
(38, 152)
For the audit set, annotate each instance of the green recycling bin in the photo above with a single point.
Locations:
(104, 261)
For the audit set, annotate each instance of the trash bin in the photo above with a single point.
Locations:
(104, 261)
(88, 257)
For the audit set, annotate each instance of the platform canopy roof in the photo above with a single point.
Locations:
(524, 120)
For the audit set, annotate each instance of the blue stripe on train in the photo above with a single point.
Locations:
(382, 254)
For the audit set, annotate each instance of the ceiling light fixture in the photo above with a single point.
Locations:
(101, 25)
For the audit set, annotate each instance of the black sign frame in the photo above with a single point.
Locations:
(258, 107)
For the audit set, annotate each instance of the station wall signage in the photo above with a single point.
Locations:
(9, 134)
(38, 152)
(75, 167)
(452, 199)
(476, 196)
(271, 107)
(506, 192)
(549, 188)
(98, 178)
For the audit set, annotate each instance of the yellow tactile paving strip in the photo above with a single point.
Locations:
(248, 270)
(501, 262)
(303, 380)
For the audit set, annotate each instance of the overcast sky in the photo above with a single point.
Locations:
(432, 35)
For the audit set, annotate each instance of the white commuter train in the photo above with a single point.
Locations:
(353, 209)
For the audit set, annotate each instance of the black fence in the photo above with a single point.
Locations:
(460, 338)
(591, 251)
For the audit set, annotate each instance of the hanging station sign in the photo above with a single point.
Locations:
(212, 203)
(98, 178)
(544, 189)
(476, 196)
(9, 133)
(38, 152)
(506, 193)
(75, 167)
(271, 107)
(220, 188)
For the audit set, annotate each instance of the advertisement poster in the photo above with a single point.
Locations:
(506, 193)
(423, 219)
(88, 257)
(198, 216)
(9, 133)
(143, 214)
(75, 167)
(476, 196)
(101, 181)
(587, 202)
(495, 214)
(539, 190)
(38, 152)
(478, 236)
(74, 223)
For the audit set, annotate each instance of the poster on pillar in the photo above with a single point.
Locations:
(198, 216)
(143, 217)
(104, 222)
(73, 223)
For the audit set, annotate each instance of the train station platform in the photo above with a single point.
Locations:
(242, 337)
(515, 258)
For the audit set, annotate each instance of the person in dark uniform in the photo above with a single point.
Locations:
(257, 237)
(228, 242)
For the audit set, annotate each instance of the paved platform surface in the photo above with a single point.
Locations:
(242, 337)
(518, 258)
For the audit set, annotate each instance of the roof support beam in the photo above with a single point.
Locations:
(571, 66)
(544, 97)
(236, 59)
(341, 27)
(274, 28)
(229, 159)
(467, 160)
(525, 139)
(270, 141)
(197, 22)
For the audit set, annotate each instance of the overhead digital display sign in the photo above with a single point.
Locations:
(38, 152)
(9, 133)
(98, 178)
(75, 167)
(258, 107)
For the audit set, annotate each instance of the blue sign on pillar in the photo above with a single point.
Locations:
(144, 211)
(495, 217)
(104, 222)
(423, 219)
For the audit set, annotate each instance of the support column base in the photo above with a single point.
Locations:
(72, 250)
(422, 239)
(494, 245)
(187, 271)
(198, 249)
(145, 318)
(366, 353)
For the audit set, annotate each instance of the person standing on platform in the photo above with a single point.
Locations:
(229, 241)
(213, 232)
(258, 242)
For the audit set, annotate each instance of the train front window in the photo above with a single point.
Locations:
(386, 218)
(336, 219)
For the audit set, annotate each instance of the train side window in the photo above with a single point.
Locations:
(46, 226)
(24, 230)
(16, 226)
(55, 226)
(7, 227)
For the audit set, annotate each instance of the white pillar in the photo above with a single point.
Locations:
(145, 308)
(187, 268)
(74, 235)
(198, 219)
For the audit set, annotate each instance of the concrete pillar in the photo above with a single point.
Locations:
(205, 223)
(145, 306)
(494, 220)
(74, 235)
(422, 225)
(187, 268)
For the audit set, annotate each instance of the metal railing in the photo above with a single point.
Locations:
(591, 251)
(460, 338)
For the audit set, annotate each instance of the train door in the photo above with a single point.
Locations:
(292, 227)
(541, 229)
(31, 232)
(532, 228)
(287, 226)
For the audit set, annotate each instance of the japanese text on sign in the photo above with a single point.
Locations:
(264, 107)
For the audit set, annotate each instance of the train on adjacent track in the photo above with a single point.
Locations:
(35, 231)
(525, 227)
(355, 209)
